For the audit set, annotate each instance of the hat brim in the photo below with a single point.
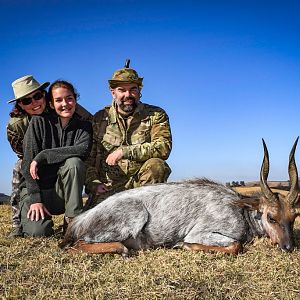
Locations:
(139, 81)
(42, 86)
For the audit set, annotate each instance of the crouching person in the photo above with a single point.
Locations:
(131, 141)
(55, 147)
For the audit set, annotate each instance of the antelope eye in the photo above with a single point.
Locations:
(270, 219)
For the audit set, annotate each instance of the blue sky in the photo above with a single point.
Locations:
(226, 72)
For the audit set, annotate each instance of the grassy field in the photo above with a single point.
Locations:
(37, 269)
(244, 190)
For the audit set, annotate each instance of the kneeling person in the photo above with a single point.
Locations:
(55, 147)
(131, 141)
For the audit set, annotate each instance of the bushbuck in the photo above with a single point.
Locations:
(197, 215)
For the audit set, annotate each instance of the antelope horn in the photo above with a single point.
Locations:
(264, 172)
(293, 174)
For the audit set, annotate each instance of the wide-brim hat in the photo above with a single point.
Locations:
(125, 75)
(25, 86)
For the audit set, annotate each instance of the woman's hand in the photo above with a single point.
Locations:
(37, 211)
(33, 170)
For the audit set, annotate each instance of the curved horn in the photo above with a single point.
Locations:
(293, 174)
(264, 172)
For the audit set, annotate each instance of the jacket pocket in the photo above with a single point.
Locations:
(141, 136)
(112, 138)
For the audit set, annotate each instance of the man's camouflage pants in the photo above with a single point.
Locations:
(154, 170)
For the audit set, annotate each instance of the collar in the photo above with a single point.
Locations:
(53, 115)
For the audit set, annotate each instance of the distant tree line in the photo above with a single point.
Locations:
(235, 183)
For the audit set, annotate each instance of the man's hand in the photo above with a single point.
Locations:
(37, 211)
(101, 188)
(33, 170)
(113, 158)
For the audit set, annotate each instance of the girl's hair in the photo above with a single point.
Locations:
(62, 84)
(17, 111)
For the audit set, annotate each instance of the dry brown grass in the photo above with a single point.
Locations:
(37, 269)
(245, 190)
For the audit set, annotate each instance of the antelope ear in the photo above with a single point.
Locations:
(251, 203)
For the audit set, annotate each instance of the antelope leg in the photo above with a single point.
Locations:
(96, 248)
(233, 248)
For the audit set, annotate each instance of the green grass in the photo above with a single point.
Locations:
(37, 269)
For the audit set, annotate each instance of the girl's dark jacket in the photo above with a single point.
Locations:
(50, 145)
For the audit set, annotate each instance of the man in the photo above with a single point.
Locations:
(131, 140)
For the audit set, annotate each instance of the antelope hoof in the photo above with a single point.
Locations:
(178, 245)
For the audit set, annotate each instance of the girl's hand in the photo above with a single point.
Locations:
(37, 211)
(33, 170)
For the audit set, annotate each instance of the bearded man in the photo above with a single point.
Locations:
(131, 141)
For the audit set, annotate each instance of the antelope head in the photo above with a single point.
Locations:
(278, 211)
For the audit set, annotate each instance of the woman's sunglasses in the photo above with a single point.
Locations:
(28, 100)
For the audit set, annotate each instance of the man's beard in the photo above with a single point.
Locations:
(127, 108)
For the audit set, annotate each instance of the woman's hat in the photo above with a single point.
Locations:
(25, 86)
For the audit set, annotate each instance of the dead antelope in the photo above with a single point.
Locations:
(198, 215)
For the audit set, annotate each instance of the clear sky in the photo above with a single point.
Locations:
(226, 72)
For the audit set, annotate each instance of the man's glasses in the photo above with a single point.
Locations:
(28, 100)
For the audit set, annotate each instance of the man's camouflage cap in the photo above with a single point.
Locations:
(125, 75)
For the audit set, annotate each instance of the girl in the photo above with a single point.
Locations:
(55, 146)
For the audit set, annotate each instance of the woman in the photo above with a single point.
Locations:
(30, 99)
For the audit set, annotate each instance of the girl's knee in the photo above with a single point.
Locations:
(35, 229)
(74, 163)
